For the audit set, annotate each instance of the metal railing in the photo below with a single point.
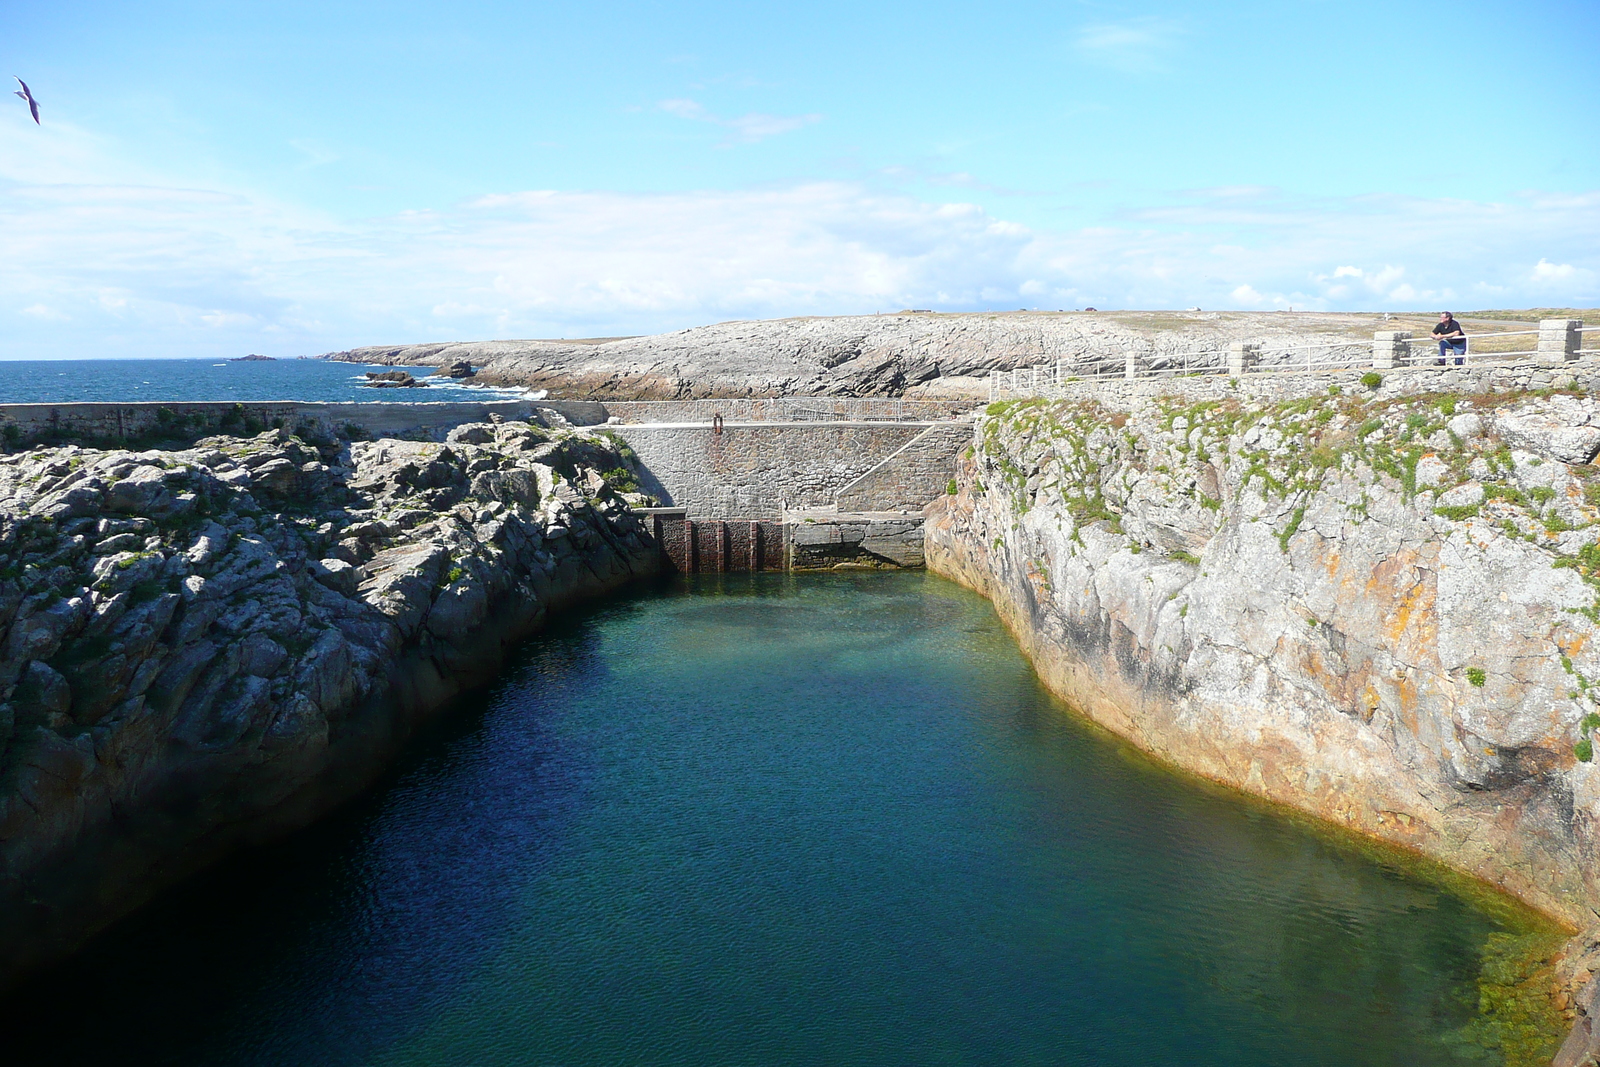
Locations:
(1556, 341)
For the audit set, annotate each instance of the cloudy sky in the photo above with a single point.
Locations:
(215, 178)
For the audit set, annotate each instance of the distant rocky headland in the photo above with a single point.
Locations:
(910, 354)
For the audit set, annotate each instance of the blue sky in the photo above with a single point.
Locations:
(213, 178)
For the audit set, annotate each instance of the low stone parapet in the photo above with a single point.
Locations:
(1520, 376)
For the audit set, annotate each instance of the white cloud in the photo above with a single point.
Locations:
(748, 128)
(94, 260)
(1545, 270)
(1134, 46)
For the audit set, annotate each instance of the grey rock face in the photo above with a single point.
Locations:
(1564, 428)
(1319, 602)
(244, 630)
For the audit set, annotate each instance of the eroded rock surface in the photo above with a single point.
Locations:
(1383, 612)
(206, 646)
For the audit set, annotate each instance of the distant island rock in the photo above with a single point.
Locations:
(391, 379)
(253, 358)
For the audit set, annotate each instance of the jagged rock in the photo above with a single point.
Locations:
(183, 665)
(1563, 428)
(337, 574)
(391, 379)
(473, 433)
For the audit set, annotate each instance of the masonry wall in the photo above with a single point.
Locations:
(918, 473)
(755, 470)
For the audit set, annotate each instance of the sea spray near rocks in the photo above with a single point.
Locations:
(213, 644)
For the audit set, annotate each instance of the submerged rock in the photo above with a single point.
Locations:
(204, 647)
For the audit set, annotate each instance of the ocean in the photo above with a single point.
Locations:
(139, 380)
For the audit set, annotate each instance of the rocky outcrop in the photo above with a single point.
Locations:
(209, 646)
(459, 369)
(912, 354)
(391, 379)
(1380, 611)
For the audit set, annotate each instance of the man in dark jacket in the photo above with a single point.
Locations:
(1452, 339)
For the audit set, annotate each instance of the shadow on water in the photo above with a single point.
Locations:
(785, 820)
(389, 900)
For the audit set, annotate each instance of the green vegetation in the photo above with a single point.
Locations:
(1372, 379)
(1476, 676)
(622, 479)
(1584, 749)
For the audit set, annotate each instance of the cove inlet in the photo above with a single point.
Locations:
(796, 819)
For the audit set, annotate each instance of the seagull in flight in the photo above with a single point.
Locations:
(26, 94)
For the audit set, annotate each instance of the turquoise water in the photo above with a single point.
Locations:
(771, 820)
(130, 381)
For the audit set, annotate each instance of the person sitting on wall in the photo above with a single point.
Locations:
(1452, 339)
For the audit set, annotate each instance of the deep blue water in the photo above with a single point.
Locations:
(134, 380)
(772, 820)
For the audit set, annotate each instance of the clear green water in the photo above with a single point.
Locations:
(830, 820)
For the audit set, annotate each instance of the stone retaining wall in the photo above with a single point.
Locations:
(918, 473)
(755, 470)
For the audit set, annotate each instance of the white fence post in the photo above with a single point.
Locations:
(1391, 349)
(1130, 365)
(1241, 357)
(1558, 340)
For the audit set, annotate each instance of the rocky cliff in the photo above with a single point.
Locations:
(213, 644)
(914, 354)
(1380, 609)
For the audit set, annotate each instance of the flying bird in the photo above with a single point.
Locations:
(26, 94)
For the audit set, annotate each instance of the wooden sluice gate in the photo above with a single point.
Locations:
(715, 546)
